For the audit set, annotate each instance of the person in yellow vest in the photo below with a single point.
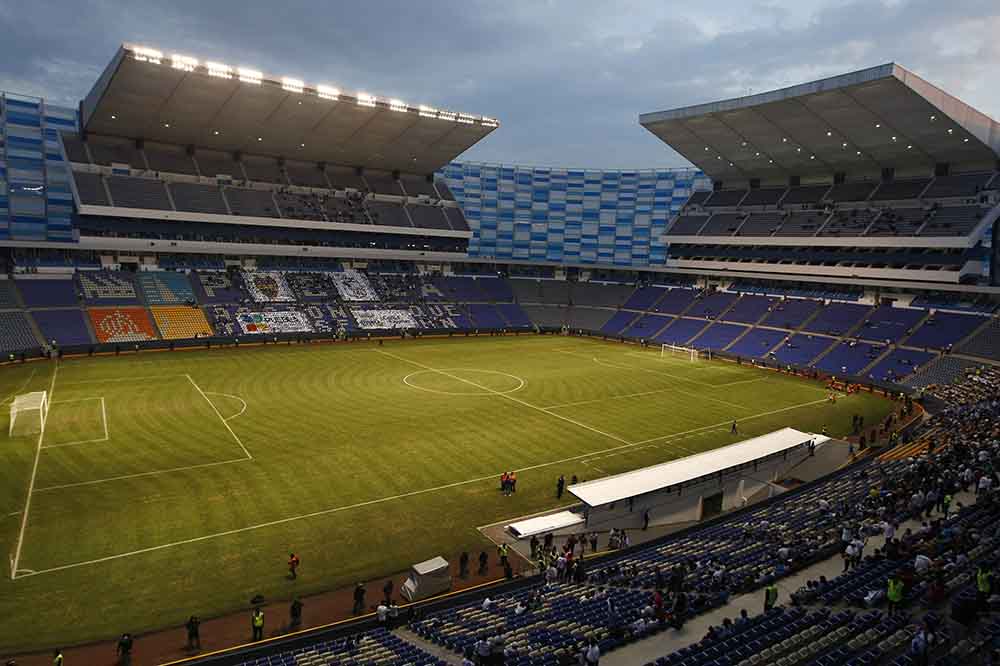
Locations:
(503, 550)
(257, 622)
(984, 585)
(894, 594)
(57, 658)
(770, 596)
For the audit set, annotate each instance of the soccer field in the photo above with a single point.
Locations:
(166, 484)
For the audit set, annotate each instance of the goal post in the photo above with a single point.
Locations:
(691, 353)
(28, 413)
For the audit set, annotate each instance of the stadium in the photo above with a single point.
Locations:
(496, 414)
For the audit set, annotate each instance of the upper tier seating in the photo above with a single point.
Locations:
(849, 357)
(899, 363)
(90, 187)
(16, 334)
(121, 325)
(263, 169)
(618, 323)
(456, 218)
(299, 206)
(251, 203)
(179, 322)
(837, 318)
(599, 295)
(198, 198)
(345, 210)
(898, 222)
(890, 324)
(985, 343)
(900, 189)
(791, 312)
(66, 327)
(306, 174)
(723, 224)
(718, 336)
(687, 224)
(942, 330)
(757, 343)
(417, 186)
(107, 150)
(428, 217)
(802, 223)
(806, 194)
(172, 159)
(725, 198)
(802, 348)
(107, 287)
(850, 222)
(954, 220)
(165, 287)
(216, 288)
(850, 192)
(644, 298)
(212, 163)
(767, 196)
(46, 293)
(761, 224)
(750, 308)
(75, 150)
(128, 192)
(443, 189)
(387, 214)
(345, 177)
(382, 182)
(958, 185)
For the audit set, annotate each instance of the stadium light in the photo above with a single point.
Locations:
(465, 118)
(878, 125)
(219, 70)
(447, 115)
(328, 92)
(427, 111)
(397, 105)
(491, 122)
(829, 133)
(950, 131)
(292, 85)
(364, 99)
(183, 63)
(143, 54)
(965, 140)
(250, 75)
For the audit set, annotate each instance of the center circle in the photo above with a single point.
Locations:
(465, 381)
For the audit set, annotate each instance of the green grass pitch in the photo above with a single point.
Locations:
(176, 483)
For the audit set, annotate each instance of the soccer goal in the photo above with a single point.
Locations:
(690, 352)
(28, 413)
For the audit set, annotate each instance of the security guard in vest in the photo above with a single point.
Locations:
(894, 594)
(257, 621)
(984, 584)
(503, 550)
(770, 596)
(57, 658)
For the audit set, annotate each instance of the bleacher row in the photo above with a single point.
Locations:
(884, 343)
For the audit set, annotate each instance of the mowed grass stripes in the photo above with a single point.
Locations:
(362, 459)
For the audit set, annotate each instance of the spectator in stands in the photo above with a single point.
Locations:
(770, 596)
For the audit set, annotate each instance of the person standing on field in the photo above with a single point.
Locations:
(194, 632)
(293, 565)
(359, 598)
(57, 658)
(560, 486)
(387, 591)
(124, 650)
(257, 623)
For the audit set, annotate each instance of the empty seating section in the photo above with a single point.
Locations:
(675, 301)
(443, 190)
(618, 322)
(802, 223)
(584, 318)
(16, 334)
(768, 196)
(263, 169)
(172, 159)
(806, 194)
(460, 289)
(514, 314)
(599, 295)
(802, 349)
(386, 214)
(756, 343)
(299, 206)
(849, 222)
(90, 188)
(953, 220)
(548, 316)
(749, 309)
(850, 192)
(899, 363)
(725, 198)
(718, 336)
(428, 217)
(681, 331)
(985, 342)
(8, 295)
(723, 224)
(212, 163)
(306, 175)
(165, 287)
(456, 218)
(898, 222)
(837, 318)
(791, 312)
(75, 150)
(121, 325)
(216, 288)
(416, 186)
(484, 315)
(849, 357)
(647, 326)
(128, 192)
(644, 298)
(45, 293)
(107, 287)
(944, 329)
(66, 327)
(711, 305)
(760, 224)
(496, 289)
(890, 324)
(345, 177)
(958, 185)
(198, 198)
(553, 291)
(108, 150)
(345, 210)
(179, 322)
(382, 182)
(900, 189)
(251, 203)
(527, 291)
(377, 647)
(687, 225)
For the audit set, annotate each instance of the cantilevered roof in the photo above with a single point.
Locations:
(884, 116)
(145, 93)
(651, 479)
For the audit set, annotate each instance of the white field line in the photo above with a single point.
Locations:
(31, 483)
(610, 397)
(104, 416)
(221, 418)
(234, 397)
(139, 475)
(21, 387)
(136, 378)
(357, 505)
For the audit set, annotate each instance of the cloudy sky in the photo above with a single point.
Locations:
(567, 79)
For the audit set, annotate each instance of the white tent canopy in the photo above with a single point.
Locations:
(652, 479)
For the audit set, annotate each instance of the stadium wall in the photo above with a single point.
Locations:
(570, 215)
(36, 196)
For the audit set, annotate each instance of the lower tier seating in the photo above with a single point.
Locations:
(66, 327)
(122, 325)
(178, 322)
(15, 333)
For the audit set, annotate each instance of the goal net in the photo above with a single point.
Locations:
(28, 413)
(690, 353)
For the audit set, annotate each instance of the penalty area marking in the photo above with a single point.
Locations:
(234, 397)
(483, 391)
(104, 418)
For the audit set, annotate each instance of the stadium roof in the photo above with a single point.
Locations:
(884, 116)
(145, 93)
(651, 479)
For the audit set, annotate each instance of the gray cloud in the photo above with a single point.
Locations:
(567, 79)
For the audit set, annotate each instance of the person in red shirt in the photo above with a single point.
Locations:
(293, 566)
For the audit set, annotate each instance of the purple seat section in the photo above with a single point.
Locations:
(757, 343)
(675, 301)
(48, 293)
(718, 336)
(898, 364)
(801, 348)
(681, 331)
(513, 313)
(66, 327)
(837, 318)
(618, 322)
(849, 358)
(890, 324)
(749, 309)
(944, 329)
(643, 298)
(791, 312)
(486, 316)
